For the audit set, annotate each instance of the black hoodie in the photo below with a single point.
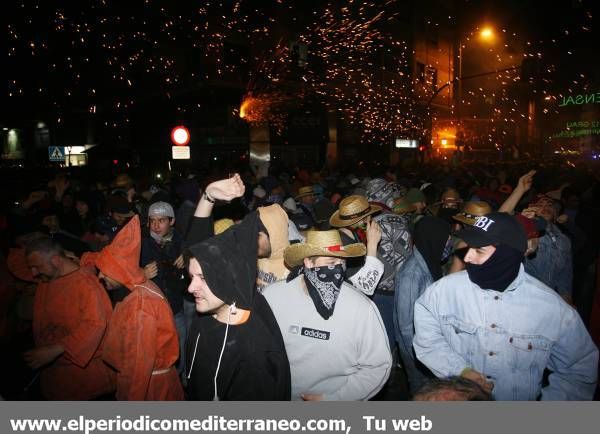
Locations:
(430, 236)
(254, 365)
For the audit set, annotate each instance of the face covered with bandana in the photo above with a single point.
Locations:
(323, 277)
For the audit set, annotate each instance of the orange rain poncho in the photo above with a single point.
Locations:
(73, 311)
(141, 342)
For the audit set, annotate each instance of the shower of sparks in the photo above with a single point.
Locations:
(106, 57)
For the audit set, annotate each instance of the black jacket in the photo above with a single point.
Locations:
(171, 280)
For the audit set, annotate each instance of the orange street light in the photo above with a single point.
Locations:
(487, 33)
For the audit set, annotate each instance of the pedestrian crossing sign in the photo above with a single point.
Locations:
(56, 153)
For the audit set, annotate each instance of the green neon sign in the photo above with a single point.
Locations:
(579, 129)
(586, 98)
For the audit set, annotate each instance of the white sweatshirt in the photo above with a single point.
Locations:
(344, 358)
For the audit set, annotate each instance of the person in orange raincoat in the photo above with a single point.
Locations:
(70, 315)
(141, 342)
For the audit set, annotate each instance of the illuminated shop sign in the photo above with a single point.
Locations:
(579, 129)
(587, 98)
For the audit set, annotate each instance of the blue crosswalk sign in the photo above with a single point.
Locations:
(56, 153)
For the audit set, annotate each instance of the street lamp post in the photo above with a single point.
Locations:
(486, 34)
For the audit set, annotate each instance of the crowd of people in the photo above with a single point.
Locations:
(476, 282)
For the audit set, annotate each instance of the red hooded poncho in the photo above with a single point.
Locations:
(73, 311)
(141, 342)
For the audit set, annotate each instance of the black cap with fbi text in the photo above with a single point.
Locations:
(493, 229)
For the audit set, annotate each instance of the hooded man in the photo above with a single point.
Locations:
(334, 336)
(497, 325)
(70, 316)
(235, 350)
(272, 234)
(141, 341)
(273, 240)
(431, 237)
(394, 247)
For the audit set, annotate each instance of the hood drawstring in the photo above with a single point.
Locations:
(232, 310)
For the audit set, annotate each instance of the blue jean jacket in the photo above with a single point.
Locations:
(553, 262)
(510, 337)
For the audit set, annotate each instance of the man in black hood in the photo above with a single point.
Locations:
(235, 350)
(432, 238)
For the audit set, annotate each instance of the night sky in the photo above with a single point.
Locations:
(138, 68)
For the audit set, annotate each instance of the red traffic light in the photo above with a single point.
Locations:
(421, 148)
(180, 136)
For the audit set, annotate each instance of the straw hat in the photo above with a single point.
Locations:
(352, 209)
(122, 180)
(471, 211)
(305, 191)
(322, 243)
(222, 225)
(403, 206)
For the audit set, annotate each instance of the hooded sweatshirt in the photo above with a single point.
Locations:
(141, 341)
(253, 365)
(431, 235)
(273, 269)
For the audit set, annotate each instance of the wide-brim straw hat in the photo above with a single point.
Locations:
(305, 191)
(471, 211)
(322, 243)
(352, 209)
(402, 206)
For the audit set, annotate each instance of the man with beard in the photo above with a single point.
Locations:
(334, 336)
(495, 324)
(70, 317)
(141, 340)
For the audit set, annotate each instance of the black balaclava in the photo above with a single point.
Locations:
(431, 235)
(324, 284)
(499, 271)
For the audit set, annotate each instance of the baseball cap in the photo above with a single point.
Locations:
(495, 228)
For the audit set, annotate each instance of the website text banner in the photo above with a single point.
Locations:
(324, 417)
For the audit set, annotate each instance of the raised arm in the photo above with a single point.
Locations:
(522, 187)
(225, 189)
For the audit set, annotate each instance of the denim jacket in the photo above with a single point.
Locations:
(553, 262)
(510, 337)
(411, 281)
